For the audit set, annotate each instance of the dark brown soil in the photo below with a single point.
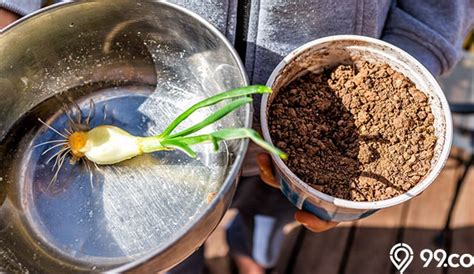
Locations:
(362, 134)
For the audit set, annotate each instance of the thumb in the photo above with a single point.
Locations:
(264, 163)
(312, 222)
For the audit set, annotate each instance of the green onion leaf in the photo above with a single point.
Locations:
(231, 134)
(179, 145)
(238, 92)
(219, 114)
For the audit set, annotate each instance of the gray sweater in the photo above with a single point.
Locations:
(264, 31)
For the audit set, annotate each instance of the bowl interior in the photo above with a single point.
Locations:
(329, 52)
(141, 64)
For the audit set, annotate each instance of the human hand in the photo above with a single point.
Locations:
(307, 219)
(7, 17)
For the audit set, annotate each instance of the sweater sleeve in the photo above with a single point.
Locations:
(430, 30)
(21, 7)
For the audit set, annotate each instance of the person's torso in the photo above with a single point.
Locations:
(264, 31)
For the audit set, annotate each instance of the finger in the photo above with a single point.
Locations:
(264, 163)
(312, 222)
(7, 17)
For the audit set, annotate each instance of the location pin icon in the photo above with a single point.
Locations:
(401, 256)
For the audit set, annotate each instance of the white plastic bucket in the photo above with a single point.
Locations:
(328, 52)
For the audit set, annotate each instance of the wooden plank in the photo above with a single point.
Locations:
(419, 239)
(463, 215)
(384, 218)
(288, 247)
(427, 216)
(322, 252)
(373, 239)
(429, 209)
(462, 224)
(462, 243)
(370, 250)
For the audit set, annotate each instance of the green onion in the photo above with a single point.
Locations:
(109, 144)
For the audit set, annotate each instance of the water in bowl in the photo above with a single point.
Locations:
(111, 214)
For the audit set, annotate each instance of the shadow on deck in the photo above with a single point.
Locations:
(366, 250)
(363, 246)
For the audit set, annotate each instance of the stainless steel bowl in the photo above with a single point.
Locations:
(141, 63)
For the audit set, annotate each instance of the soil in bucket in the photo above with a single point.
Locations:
(361, 133)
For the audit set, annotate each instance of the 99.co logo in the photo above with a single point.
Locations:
(402, 255)
(444, 260)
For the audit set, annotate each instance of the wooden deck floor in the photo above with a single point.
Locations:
(363, 246)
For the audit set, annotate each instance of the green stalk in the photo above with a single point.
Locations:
(227, 134)
(213, 117)
(181, 146)
(238, 92)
